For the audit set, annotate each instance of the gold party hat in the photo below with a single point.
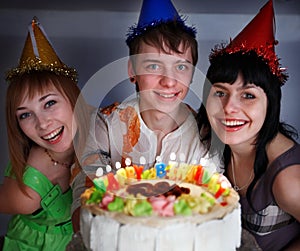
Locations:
(39, 55)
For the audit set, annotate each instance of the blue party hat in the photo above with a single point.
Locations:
(154, 13)
(157, 10)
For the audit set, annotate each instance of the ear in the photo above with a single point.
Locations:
(131, 71)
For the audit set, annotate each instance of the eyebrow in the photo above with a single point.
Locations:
(243, 87)
(40, 100)
(160, 61)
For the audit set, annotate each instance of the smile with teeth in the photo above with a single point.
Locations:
(165, 95)
(53, 135)
(233, 123)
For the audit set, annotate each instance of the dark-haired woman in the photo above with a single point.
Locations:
(240, 121)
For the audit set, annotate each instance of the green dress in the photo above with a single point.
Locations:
(50, 227)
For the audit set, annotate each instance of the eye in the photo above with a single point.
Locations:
(153, 67)
(24, 115)
(50, 103)
(248, 96)
(219, 94)
(181, 67)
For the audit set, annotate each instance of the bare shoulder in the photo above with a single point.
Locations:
(37, 157)
(286, 190)
(279, 145)
(15, 201)
(286, 186)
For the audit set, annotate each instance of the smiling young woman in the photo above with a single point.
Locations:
(241, 111)
(42, 125)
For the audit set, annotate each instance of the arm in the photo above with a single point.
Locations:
(16, 202)
(78, 185)
(286, 190)
(76, 220)
(81, 177)
(294, 245)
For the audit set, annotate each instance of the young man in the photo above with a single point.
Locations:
(163, 53)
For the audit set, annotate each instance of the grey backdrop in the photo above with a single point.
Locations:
(90, 35)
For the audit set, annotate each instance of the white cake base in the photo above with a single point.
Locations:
(103, 233)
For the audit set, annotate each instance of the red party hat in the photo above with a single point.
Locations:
(259, 32)
(258, 36)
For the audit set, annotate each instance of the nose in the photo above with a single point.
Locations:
(168, 79)
(231, 104)
(43, 121)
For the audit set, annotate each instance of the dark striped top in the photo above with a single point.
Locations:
(272, 227)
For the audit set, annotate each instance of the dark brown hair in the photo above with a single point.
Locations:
(170, 35)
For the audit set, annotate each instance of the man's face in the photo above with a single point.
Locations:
(163, 79)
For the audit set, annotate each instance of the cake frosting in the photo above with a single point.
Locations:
(174, 206)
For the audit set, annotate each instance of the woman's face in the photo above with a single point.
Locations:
(236, 111)
(47, 119)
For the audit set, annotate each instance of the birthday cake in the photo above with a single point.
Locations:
(167, 207)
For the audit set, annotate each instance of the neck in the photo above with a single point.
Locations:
(65, 159)
(165, 122)
(159, 122)
(243, 151)
(241, 173)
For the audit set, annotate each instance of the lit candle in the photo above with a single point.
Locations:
(172, 167)
(182, 157)
(182, 171)
(118, 165)
(199, 174)
(191, 170)
(160, 167)
(127, 162)
(172, 173)
(139, 169)
(130, 172)
(108, 168)
(204, 162)
(224, 188)
(99, 184)
(121, 174)
(172, 163)
(209, 165)
(213, 185)
(113, 184)
(206, 176)
(99, 172)
(152, 173)
(145, 174)
(142, 160)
